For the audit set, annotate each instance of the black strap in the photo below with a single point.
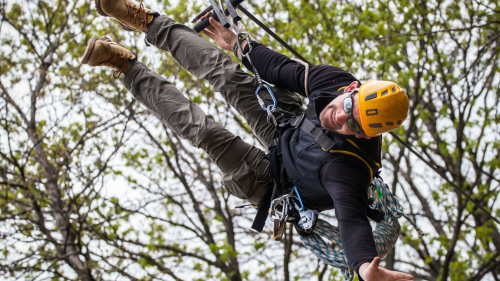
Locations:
(276, 170)
(260, 219)
(274, 143)
(326, 142)
(310, 112)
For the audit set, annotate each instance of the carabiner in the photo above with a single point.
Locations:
(270, 116)
(270, 91)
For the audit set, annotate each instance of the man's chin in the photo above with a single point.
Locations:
(324, 121)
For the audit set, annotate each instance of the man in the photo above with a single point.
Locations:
(245, 168)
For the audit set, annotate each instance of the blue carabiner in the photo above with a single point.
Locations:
(275, 103)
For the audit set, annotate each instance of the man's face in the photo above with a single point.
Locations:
(334, 118)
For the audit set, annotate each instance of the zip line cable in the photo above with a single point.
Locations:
(410, 147)
(270, 32)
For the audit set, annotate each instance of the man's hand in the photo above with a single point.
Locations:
(372, 272)
(224, 37)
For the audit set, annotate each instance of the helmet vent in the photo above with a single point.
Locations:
(389, 123)
(371, 112)
(394, 90)
(375, 125)
(399, 122)
(385, 93)
(371, 96)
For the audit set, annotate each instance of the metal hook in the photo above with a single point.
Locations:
(270, 115)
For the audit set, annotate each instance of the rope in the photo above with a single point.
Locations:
(306, 78)
(385, 234)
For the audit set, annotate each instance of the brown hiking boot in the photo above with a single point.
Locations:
(130, 16)
(104, 52)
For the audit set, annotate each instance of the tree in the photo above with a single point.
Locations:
(92, 188)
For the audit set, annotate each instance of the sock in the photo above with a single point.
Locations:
(132, 62)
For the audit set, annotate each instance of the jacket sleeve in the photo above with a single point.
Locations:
(284, 72)
(347, 183)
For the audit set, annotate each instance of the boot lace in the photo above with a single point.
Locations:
(119, 61)
(137, 14)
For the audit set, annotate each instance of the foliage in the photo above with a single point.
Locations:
(92, 187)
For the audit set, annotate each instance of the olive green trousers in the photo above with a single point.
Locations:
(245, 168)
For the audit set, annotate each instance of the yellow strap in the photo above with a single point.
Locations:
(355, 145)
(355, 155)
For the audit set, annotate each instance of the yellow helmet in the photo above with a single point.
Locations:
(383, 106)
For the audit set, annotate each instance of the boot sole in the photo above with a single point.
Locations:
(102, 13)
(89, 50)
(90, 47)
(126, 27)
(98, 8)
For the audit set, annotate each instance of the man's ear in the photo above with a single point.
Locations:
(354, 85)
(363, 136)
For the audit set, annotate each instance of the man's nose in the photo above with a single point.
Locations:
(342, 116)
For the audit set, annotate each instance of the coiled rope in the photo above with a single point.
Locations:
(385, 234)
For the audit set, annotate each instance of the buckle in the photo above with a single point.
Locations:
(295, 122)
